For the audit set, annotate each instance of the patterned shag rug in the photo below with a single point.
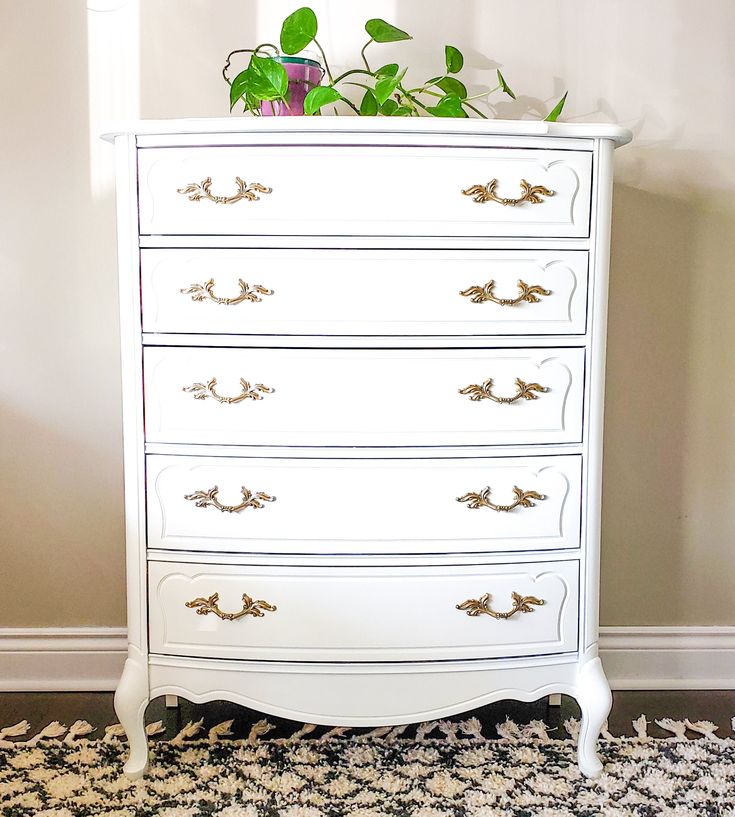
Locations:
(446, 769)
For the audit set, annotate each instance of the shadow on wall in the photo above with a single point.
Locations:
(666, 417)
(62, 533)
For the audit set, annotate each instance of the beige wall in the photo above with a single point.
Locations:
(663, 68)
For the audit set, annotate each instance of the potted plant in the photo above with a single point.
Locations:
(276, 82)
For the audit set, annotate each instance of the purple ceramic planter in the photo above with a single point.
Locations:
(303, 75)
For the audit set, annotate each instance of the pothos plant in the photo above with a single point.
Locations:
(384, 90)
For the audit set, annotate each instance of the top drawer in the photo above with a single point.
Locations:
(358, 190)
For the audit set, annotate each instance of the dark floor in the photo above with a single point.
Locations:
(40, 708)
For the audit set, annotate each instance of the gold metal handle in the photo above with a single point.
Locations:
(531, 193)
(482, 500)
(484, 391)
(481, 606)
(202, 292)
(202, 190)
(479, 295)
(203, 499)
(205, 606)
(202, 391)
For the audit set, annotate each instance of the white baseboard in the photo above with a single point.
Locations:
(669, 657)
(90, 659)
(61, 659)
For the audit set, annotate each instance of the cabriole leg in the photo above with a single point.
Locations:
(131, 699)
(595, 699)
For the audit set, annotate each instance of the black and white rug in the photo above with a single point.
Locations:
(440, 769)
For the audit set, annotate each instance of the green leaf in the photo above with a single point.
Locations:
(239, 88)
(504, 86)
(383, 32)
(454, 59)
(369, 104)
(449, 106)
(318, 97)
(558, 108)
(267, 78)
(402, 110)
(450, 85)
(298, 30)
(386, 86)
(388, 107)
(389, 70)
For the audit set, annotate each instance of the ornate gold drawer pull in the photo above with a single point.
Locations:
(481, 606)
(531, 193)
(479, 295)
(202, 292)
(482, 500)
(249, 607)
(202, 190)
(249, 500)
(202, 391)
(484, 392)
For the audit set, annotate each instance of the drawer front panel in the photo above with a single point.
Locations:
(363, 614)
(363, 506)
(363, 292)
(363, 397)
(391, 191)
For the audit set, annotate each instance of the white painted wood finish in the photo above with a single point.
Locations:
(233, 130)
(369, 694)
(362, 614)
(361, 397)
(391, 190)
(372, 506)
(348, 292)
(366, 242)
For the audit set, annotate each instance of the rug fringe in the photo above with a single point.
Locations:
(53, 730)
(449, 731)
(258, 729)
(705, 728)
(677, 728)
(17, 730)
(471, 727)
(572, 725)
(77, 730)
(116, 730)
(192, 729)
(221, 730)
(336, 732)
(425, 728)
(155, 728)
(640, 725)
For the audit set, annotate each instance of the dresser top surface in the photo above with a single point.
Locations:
(355, 124)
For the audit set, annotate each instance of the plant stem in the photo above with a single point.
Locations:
(347, 102)
(484, 94)
(426, 85)
(244, 51)
(473, 108)
(326, 64)
(362, 54)
(409, 95)
(349, 73)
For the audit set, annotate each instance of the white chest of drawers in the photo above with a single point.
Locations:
(363, 415)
